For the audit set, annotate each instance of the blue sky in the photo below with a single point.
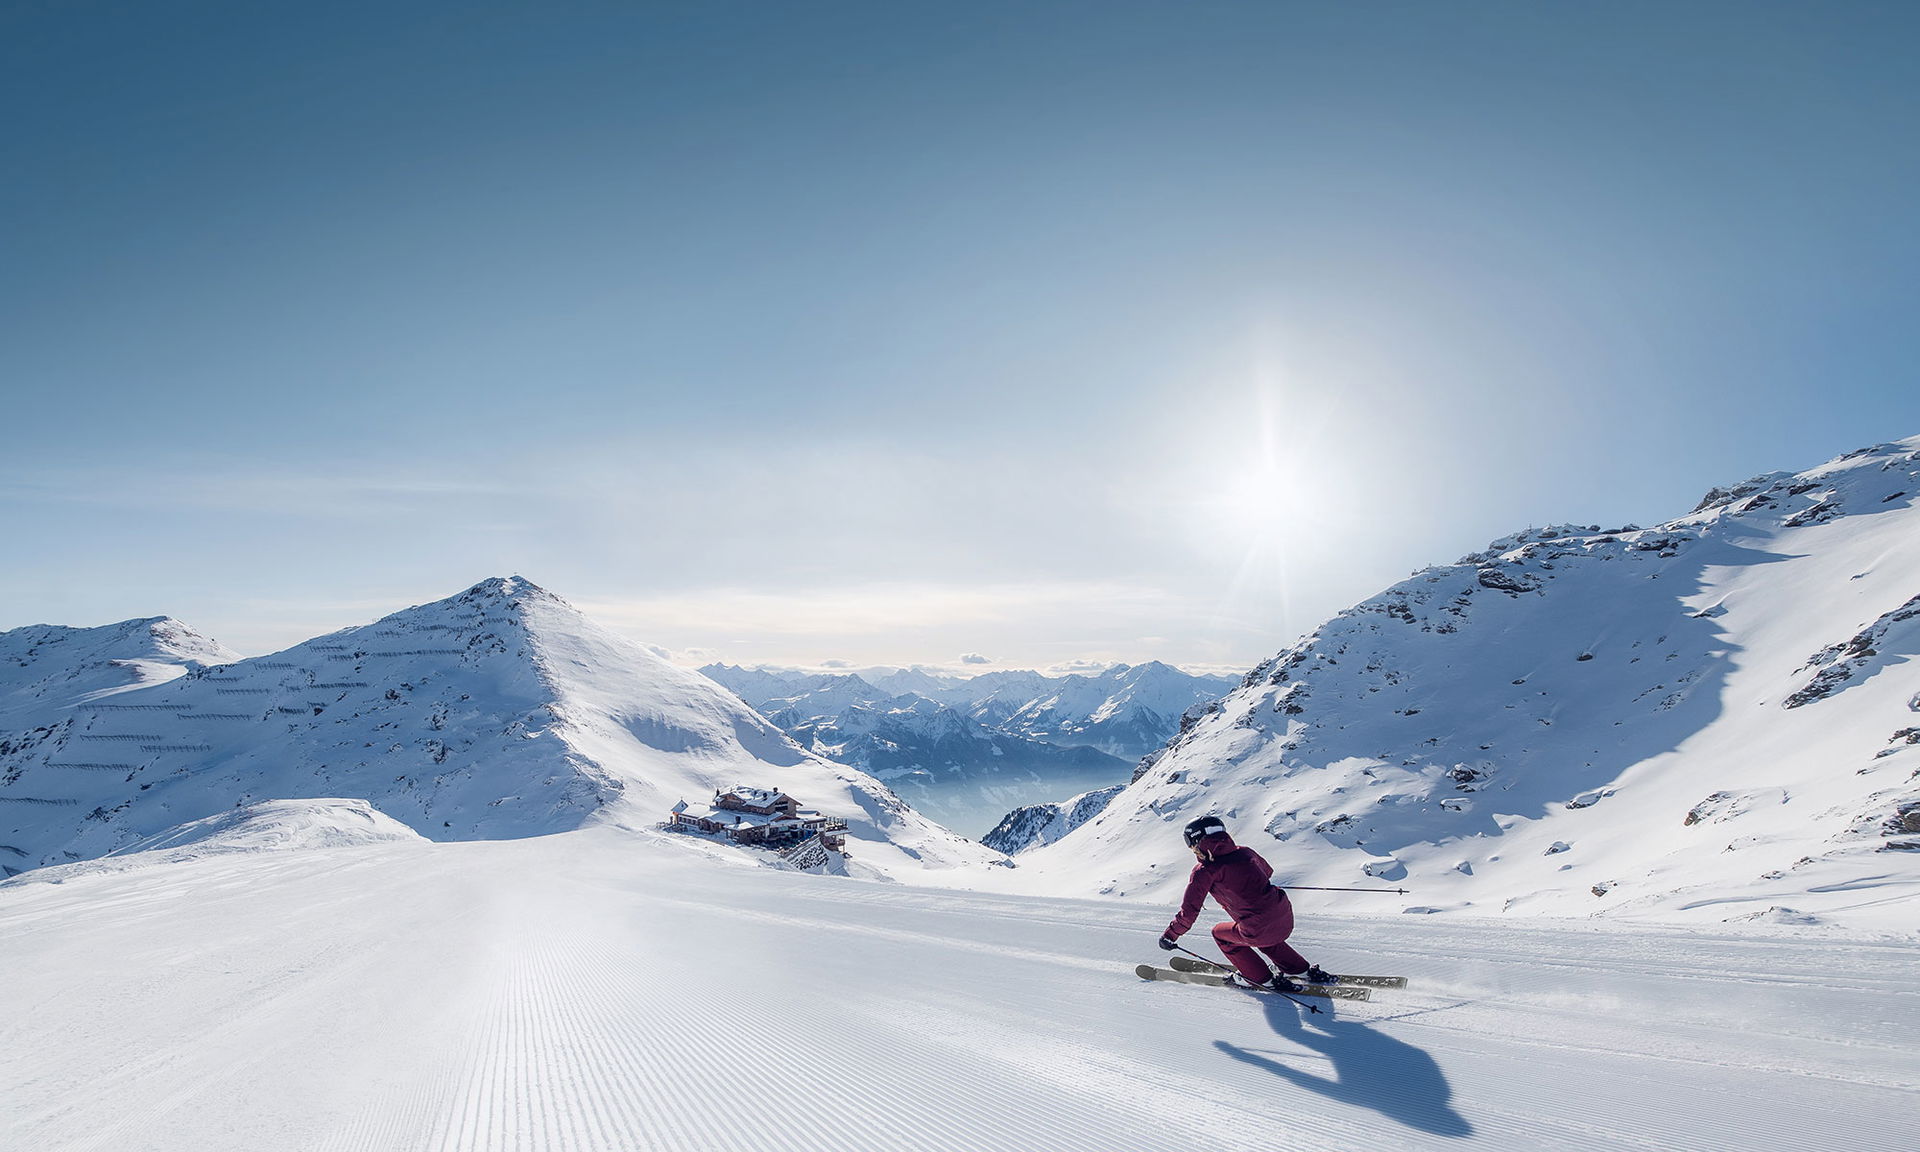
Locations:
(886, 332)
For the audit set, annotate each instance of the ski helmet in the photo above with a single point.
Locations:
(1201, 828)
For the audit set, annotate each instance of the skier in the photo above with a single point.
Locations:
(1242, 883)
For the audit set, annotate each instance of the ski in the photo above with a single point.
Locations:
(1216, 980)
(1187, 964)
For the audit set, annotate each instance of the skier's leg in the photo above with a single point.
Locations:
(1245, 959)
(1274, 942)
(1285, 958)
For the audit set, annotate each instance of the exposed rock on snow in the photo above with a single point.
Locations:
(1037, 824)
(1840, 664)
(1726, 805)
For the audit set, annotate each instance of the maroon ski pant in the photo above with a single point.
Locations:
(1239, 951)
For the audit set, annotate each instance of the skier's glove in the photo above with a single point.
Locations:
(1167, 944)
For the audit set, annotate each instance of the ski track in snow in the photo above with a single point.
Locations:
(598, 991)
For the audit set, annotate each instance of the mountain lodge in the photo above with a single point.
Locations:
(760, 818)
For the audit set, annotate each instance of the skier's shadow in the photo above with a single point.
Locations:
(1370, 1069)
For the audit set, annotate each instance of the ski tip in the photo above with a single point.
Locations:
(1144, 971)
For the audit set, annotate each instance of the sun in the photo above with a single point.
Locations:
(1268, 485)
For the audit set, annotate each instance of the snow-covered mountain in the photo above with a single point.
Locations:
(823, 697)
(767, 688)
(917, 681)
(1127, 710)
(1717, 717)
(46, 667)
(499, 712)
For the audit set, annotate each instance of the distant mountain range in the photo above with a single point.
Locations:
(1717, 717)
(968, 750)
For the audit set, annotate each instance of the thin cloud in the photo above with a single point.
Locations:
(1029, 624)
(875, 609)
(1070, 667)
(256, 488)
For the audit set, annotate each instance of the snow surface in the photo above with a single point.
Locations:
(612, 990)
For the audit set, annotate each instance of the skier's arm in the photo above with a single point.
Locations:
(1189, 906)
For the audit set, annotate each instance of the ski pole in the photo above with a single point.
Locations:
(1197, 956)
(1302, 1003)
(1311, 888)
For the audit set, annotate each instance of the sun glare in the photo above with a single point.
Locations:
(1276, 480)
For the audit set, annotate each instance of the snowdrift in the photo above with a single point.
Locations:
(270, 826)
(280, 825)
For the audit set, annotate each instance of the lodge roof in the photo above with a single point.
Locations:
(764, 797)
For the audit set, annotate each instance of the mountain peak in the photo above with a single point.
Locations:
(489, 613)
(512, 589)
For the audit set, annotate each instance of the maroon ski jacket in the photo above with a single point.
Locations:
(1242, 883)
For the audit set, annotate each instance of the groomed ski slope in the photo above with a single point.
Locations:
(607, 989)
